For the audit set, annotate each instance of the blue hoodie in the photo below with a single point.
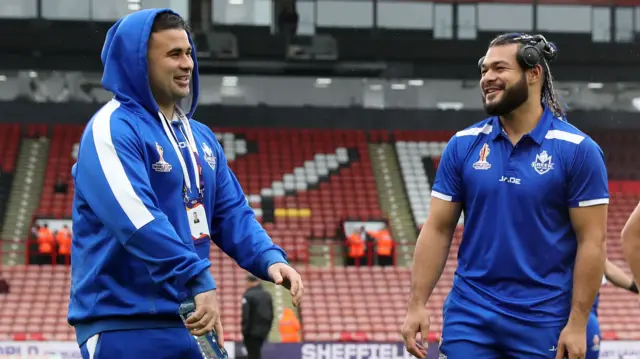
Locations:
(133, 256)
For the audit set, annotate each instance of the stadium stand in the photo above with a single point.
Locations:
(622, 164)
(341, 301)
(59, 162)
(302, 184)
(9, 143)
(418, 153)
(27, 168)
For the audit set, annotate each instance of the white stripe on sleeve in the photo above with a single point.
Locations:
(113, 170)
(441, 196)
(593, 202)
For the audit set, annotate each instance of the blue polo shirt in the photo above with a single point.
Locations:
(518, 248)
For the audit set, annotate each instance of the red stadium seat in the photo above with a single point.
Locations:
(9, 142)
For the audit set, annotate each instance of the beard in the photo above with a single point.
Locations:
(512, 98)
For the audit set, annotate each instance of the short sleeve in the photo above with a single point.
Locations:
(588, 184)
(447, 183)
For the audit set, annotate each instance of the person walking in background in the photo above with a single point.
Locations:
(257, 317)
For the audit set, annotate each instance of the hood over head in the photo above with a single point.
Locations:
(124, 57)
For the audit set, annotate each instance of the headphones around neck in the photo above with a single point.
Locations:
(534, 48)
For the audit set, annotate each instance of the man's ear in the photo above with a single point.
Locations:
(535, 74)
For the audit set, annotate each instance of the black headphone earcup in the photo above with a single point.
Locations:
(530, 56)
(480, 62)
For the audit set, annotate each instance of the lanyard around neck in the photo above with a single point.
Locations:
(169, 131)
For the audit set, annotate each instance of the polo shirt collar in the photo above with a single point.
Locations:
(537, 134)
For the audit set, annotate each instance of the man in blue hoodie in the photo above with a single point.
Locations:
(152, 189)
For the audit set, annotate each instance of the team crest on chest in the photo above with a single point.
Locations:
(209, 157)
(482, 163)
(543, 163)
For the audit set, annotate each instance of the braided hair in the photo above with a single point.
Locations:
(548, 97)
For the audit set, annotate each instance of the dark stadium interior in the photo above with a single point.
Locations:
(324, 130)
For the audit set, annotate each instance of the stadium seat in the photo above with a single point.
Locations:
(419, 154)
(418, 185)
(9, 143)
(316, 178)
(341, 300)
(622, 163)
(9, 147)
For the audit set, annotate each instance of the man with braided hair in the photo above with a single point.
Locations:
(534, 191)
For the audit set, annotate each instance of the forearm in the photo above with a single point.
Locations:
(617, 276)
(632, 255)
(430, 257)
(631, 247)
(587, 278)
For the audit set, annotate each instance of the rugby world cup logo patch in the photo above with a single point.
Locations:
(482, 163)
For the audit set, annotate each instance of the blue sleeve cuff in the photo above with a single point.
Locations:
(201, 283)
(269, 258)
